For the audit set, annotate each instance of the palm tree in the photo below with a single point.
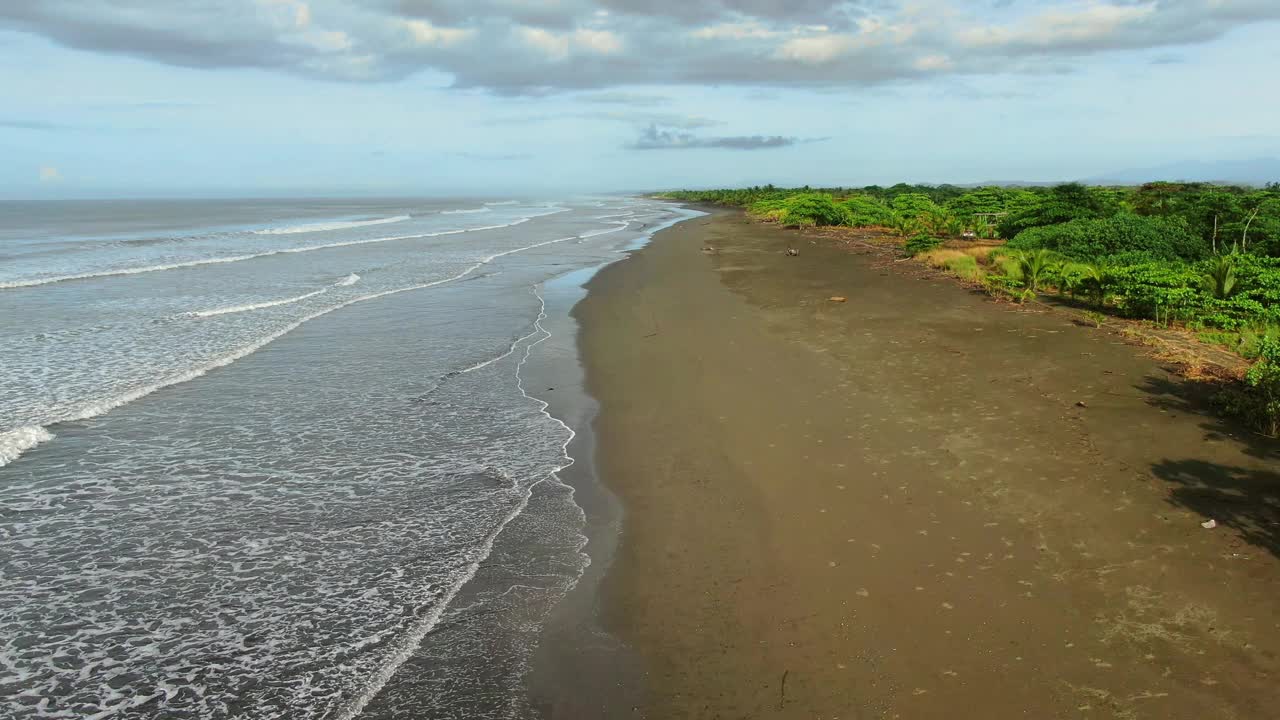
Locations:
(1095, 277)
(1220, 276)
(905, 225)
(1036, 265)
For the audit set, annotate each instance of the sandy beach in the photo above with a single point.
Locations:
(913, 504)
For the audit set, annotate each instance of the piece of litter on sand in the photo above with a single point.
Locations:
(1209, 524)
(839, 298)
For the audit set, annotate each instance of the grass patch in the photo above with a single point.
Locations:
(981, 253)
(939, 257)
(965, 267)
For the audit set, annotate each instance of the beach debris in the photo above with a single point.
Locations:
(839, 298)
(792, 252)
(1209, 524)
(709, 250)
(1081, 404)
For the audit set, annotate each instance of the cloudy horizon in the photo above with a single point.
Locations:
(244, 97)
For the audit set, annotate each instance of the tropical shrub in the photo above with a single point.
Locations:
(981, 200)
(1061, 204)
(922, 242)
(914, 205)
(866, 211)
(1090, 239)
(1035, 267)
(1264, 380)
(1220, 278)
(804, 210)
(1159, 291)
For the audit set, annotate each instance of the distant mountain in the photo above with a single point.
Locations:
(1257, 171)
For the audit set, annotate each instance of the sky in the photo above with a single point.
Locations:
(112, 98)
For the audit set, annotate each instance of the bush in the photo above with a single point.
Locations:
(1260, 405)
(1159, 291)
(1154, 237)
(921, 243)
(914, 205)
(866, 211)
(1060, 204)
(767, 210)
(811, 209)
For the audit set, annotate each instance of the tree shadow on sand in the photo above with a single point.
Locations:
(1246, 499)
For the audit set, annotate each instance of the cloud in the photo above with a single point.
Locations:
(524, 47)
(655, 138)
(49, 174)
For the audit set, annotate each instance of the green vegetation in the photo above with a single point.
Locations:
(1195, 255)
(1122, 234)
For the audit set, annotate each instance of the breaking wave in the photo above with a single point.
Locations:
(327, 226)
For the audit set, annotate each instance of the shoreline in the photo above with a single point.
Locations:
(894, 505)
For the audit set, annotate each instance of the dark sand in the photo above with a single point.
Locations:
(894, 507)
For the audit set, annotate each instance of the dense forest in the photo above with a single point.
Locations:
(1196, 255)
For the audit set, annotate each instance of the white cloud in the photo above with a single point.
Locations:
(601, 42)
(553, 45)
(1092, 23)
(558, 46)
(734, 31)
(287, 13)
(933, 63)
(425, 33)
(537, 46)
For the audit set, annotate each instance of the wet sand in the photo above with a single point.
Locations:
(916, 503)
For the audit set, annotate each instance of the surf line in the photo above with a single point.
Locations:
(347, 281)
(406, 645)
(239, 258)
(99, 408)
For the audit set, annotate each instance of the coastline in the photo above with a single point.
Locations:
(905, 503)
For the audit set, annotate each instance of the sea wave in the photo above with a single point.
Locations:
(22, 437)
(17, 441)
(239, 258)
(327, 226)
(402, 648)
(257, 306)
(472, 211)
(347, 281)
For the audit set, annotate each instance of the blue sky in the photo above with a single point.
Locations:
(398, 97)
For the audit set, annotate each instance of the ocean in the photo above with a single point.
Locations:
(257, 456)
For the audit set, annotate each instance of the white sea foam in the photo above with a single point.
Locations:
(239, 258)
(256, 306)
(17, 441)
(336, 225)
(106, 405)
(504, 202)
(403, 647)
(347, 281)
(471, 211)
